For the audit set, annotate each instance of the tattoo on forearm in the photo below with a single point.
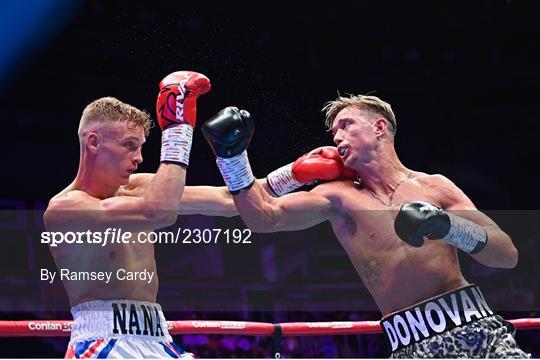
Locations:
(373, 272)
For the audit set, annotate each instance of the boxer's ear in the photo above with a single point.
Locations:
(381, 126)
(92, 142)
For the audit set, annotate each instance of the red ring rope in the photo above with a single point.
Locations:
(32, 328)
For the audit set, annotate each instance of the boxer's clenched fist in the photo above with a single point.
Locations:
(177, 99)
(419, 219)
(323, 163)
(176, 109)
(228, 133)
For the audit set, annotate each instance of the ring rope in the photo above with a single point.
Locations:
(42, 328)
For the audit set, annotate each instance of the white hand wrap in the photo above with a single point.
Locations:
(236, 171)
(282, 180)
(465, 234)
(176, 144)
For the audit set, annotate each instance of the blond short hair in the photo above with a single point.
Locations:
(367, 103)
(109, 109)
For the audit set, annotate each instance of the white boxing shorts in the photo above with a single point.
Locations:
(120, 329)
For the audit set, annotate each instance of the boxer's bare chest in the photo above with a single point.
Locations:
(386, 264)
(360, 207)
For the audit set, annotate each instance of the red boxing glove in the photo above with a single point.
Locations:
(177, 99)
(176, 110)
(322, 163)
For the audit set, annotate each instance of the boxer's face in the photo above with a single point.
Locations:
(355, 136)
(119, 152)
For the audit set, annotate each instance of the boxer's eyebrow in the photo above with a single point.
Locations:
(338, 123)
(136, 139)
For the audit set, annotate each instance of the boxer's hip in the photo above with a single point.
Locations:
(459, 323)
(435, 316)
(121, 329)
(489, 337)
(119, 319)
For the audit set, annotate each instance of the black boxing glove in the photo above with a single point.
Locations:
(418, 219)
(229, 133)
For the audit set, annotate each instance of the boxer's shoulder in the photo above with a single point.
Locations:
(437, 182)
(442, 189)
(66, 207)
(139, 179)
(68, 200)
(136, 186)
(66, 204)
(430, 179)
(336, 189)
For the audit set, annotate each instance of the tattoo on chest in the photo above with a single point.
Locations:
(372, 270)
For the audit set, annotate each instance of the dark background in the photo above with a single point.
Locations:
(461, 76)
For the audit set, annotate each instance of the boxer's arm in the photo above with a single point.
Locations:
(212, 200)
(156, 208)
(228, 133)
(201, 200)
(499, 250)
(296, 211)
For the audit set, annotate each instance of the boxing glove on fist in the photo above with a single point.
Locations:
(323, 163)
(177, 99)
(229, 133)
(419, 219)
(176, 109)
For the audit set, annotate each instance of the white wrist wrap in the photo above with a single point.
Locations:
(282, 180)
(465, 234)
(236, 171)
(176, 143)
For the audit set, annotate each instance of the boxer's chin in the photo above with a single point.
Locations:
(349, 161)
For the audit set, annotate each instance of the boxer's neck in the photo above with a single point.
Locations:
(90, 180)
(383, 175)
